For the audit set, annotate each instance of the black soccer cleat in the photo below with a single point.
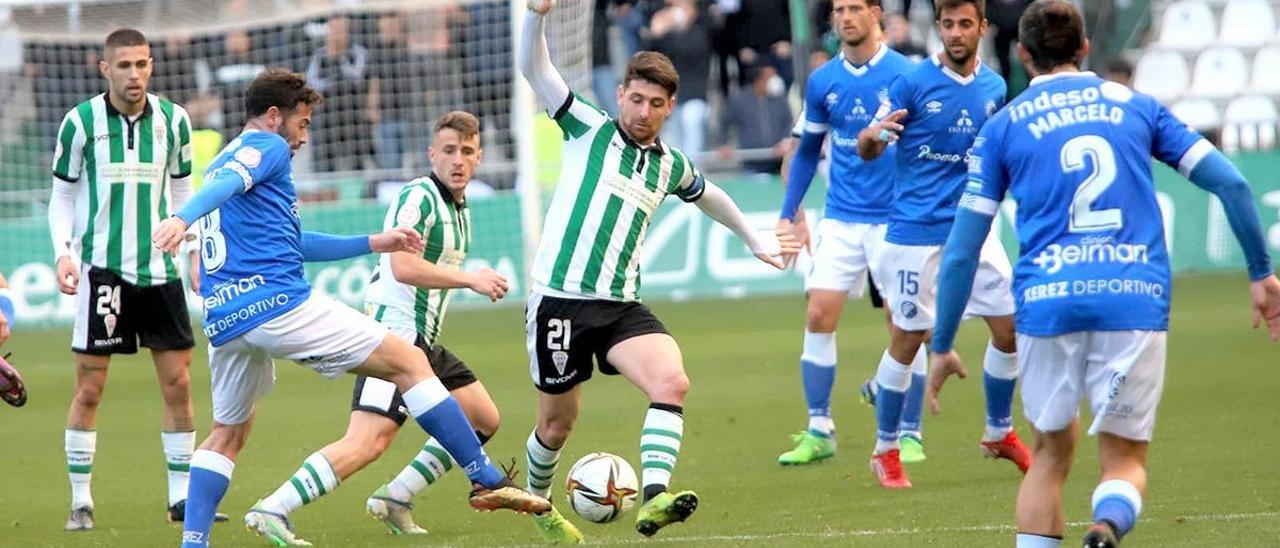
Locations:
(178, 513)
(1101, 535)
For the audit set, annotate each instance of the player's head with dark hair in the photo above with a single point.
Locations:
(126, 64)
(280, 101)
(455, 150)
(961, 24)
(1051, 32)
(647, 95)
(856, 21)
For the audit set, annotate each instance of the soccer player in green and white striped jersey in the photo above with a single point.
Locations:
(122, 164)
(585, 301)
(409, 294)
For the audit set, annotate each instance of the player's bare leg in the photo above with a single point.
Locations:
(653, 363)
(178, 436)
(557, 413)
(1117, 501)
(999, 375)
(81, 438)
(818, 373)
(392, 502)
(439, 414)
(1039, 507)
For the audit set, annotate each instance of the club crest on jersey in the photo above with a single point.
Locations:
(159, 133)
(991, 107)
(883, 95)
(561, 359)
(109, 321)
(933, 107)
(831, 99)
(249, 157)
(909, 309)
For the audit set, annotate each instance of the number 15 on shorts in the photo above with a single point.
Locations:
(908, 282)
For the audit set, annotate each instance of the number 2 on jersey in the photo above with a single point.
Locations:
(1083, 218)
(213, 245)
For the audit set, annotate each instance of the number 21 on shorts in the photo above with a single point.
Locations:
(559, 332)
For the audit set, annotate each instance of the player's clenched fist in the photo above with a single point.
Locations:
(169, 235)
(541, 7)
(397, 239)
(489, 283)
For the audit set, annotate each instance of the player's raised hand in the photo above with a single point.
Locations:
(397, 239)
(169, 235)
(68, 275)
(1266, 305)
(889, 127)
(489, 283)
(541, 7)
(942, 366)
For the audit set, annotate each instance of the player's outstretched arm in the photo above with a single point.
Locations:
(1215, 173)
(717, 204)
(412, 269)
(171, 232)
(535, 59)
(322, 247)
(955, 282)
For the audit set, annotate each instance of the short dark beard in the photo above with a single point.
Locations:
(962, 61)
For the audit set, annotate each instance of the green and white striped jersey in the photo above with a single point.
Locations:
(426, 206)
(123, 169)
(609, 189)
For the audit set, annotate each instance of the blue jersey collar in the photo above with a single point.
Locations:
(859, 70)
(1046, 78)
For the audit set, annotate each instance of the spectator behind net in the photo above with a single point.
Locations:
(760, 118)
(682, 34)
(340, 71)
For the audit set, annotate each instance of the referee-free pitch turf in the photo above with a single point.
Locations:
(1214, 467)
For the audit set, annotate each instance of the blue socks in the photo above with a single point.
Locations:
(914, 407)
(892, 379)
(1117, 502)
(441, 416)
(210, 477)
(818, 372)
(999, 375)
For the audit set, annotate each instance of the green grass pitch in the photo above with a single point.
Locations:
(1214, 474)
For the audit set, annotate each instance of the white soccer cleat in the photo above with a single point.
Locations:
(396, 515)
(273, 527)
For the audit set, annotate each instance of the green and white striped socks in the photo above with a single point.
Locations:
(541, 461)
(178, 447)
(80, 446)
(660, 446)
(315, 479)
(425, 469)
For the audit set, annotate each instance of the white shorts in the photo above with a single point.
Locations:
(909, 275)
(321, 334)
(843, 254)
(1120, 372)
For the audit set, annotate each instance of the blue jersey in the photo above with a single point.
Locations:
(944, 113)
(1075, 153)
(251, 245)
(841, 99)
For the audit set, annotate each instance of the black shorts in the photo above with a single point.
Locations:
(113, 316)
(565, 334)
(381, 397)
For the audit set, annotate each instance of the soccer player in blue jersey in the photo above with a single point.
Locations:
(934, 112)
(841, 98)
(1092, 281)
(259, 306)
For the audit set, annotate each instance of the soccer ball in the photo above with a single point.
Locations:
(601, 487)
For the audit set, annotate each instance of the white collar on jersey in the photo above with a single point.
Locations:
(962, 80)
(857, 70)
(1046, 78)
